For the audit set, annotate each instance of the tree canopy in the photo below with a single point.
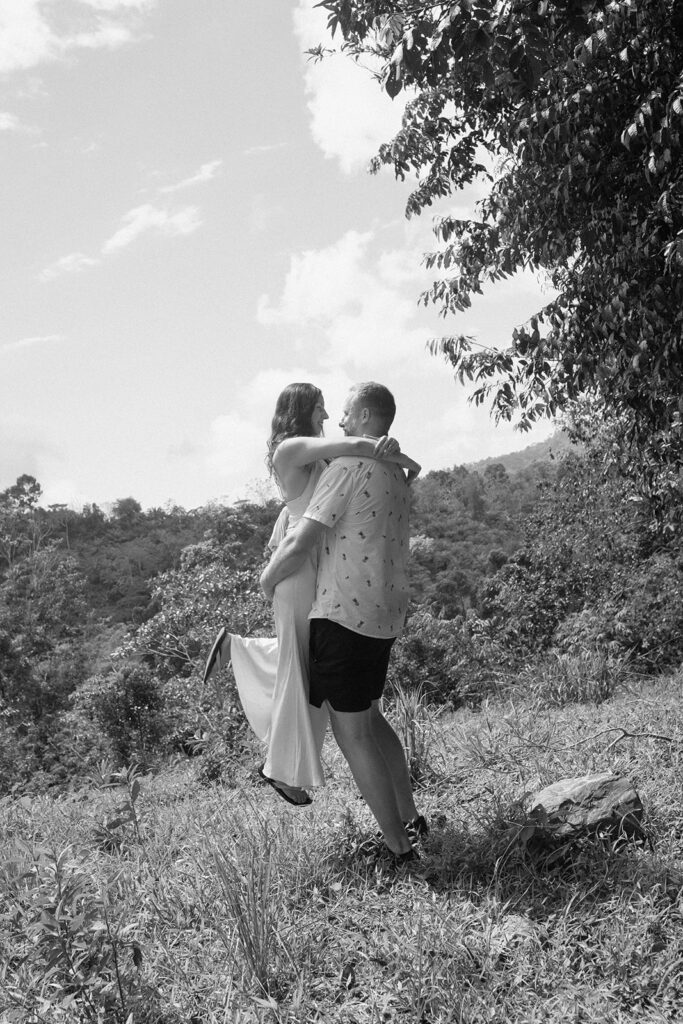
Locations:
(578, 104)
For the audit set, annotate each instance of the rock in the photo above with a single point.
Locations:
(603, 803)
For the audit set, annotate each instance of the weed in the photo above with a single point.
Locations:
(68, 957)
(415, 723)
(249, 891)
(585, 677)
(112, 832)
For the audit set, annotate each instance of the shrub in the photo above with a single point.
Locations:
(640, 618)
(63, 951)
(130, 709)
(450, 660)
(585, 677)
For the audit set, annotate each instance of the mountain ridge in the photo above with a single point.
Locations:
(557, 444)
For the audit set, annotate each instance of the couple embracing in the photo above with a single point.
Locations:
(337, 578)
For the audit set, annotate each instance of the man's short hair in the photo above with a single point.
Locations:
(378, 399)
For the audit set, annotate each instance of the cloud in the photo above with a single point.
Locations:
(71, 264)
(350, 113)
(24, 343)
(152, 218)
(118, 5)
(9, 123)
(139, 221)
(267, 148)
(205, 173)
(362, 298)
(29, 36)
(351, 308)
(320, 283)
(102, 37)
(26, 38)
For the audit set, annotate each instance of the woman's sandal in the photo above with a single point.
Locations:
(217, 657)
(281, 792)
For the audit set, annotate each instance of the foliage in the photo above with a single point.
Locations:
(22, 523)
(60, 569)
(465, 524)
(581, 675)
(65, 954)
(579, 108)
(640, 617)
(594, 573)
(451, 661)
(129, 707)
(207, 590)
(210, 587)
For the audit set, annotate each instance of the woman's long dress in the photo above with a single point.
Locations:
(272, 674)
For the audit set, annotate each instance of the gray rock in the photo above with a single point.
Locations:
(604, 803)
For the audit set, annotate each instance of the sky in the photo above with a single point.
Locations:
(188, 225)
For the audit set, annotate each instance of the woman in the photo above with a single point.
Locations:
(272, 674)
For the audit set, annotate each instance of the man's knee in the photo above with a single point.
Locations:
(351, 727)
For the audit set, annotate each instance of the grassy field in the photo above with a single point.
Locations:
(160, 899)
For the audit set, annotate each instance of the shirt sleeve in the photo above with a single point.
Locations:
(332, 495)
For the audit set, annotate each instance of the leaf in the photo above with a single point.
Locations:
(393, 85)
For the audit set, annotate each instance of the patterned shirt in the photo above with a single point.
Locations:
(362, 581)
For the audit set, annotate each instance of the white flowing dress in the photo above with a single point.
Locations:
(272, 673)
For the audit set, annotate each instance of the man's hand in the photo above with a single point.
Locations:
(290, 553)
(266, 586)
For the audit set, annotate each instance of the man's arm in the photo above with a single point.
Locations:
(291, 553)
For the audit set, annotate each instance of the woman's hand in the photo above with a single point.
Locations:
(386, 446)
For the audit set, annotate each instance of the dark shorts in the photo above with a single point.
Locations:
(347, 669)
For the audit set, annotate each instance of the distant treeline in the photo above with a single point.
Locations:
(105, 619)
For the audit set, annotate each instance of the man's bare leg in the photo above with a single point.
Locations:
(394, 755)
(355, 735)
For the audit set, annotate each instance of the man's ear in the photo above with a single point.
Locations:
(365, 415)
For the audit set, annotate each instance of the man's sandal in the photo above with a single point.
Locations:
(416, 829)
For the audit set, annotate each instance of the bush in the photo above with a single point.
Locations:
(586, 677)
(130, 709)
(63, 948)
(451, 660)
(640, 618)
(532, 594)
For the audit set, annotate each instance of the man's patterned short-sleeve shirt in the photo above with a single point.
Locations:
(362, 573)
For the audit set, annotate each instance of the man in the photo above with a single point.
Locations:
(359, 515)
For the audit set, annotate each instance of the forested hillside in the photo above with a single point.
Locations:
(519, 566)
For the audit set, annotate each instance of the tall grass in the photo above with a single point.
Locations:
(246, 879)
(583, 676)
(415, 722)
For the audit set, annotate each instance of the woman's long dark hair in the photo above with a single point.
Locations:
(293, 415)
